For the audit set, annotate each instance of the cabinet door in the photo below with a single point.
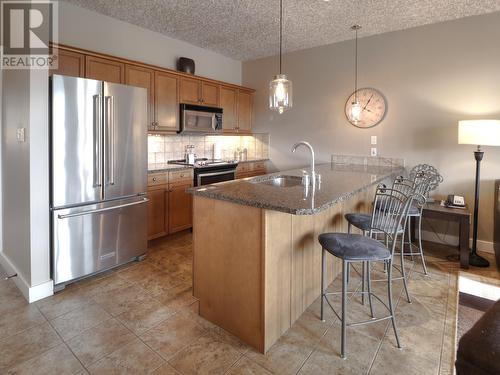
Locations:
(190, 91)
(180, 209)
(166, 100)
(69, 64)
(229, 105)
(210, 94)
(157, 213)
(104, 69)
(245, 111)
(142, 77)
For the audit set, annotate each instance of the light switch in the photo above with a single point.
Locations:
(373, 151)
(374, 140)
(20, 135)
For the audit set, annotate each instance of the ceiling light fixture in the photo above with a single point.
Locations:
(280, 88)
(356, 109)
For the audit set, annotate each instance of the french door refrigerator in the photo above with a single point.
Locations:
(98, 176)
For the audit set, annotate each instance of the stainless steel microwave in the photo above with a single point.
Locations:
(200, 119)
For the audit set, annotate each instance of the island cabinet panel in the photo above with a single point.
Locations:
(104, 69)
(228, 272)
(166, 99)
(69, 63)
(145, 78)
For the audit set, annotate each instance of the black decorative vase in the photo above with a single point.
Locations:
(185, 65)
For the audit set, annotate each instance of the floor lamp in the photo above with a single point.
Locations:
(480, 133)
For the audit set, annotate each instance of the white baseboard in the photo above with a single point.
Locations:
(31, 293)
(483, 246)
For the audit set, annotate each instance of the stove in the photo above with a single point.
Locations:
(210, 171)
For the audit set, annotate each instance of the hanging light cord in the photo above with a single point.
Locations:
(281, 30)
(356, 69)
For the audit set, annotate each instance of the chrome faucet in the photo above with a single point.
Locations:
(308, 145)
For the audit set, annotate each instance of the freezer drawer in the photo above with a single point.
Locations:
(96, 237)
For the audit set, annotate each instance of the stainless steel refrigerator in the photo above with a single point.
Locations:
(98, 175)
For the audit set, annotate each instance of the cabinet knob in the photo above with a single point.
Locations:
(154, 179)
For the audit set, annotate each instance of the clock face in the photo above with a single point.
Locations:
(373, 108)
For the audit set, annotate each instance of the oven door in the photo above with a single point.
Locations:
(212, 177)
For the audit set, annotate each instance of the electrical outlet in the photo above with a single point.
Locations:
(373, 151)
(20, 135)
(374, 140)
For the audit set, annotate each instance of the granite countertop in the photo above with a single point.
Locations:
(165, 167)
(338, 183)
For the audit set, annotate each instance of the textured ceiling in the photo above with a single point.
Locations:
(248, 29)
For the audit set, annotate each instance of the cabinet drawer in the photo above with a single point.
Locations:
(259, 166)
(243, 167)
(157, 179)
(185, 175)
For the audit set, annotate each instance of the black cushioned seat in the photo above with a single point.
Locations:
(479, 348)
(361, 221)
(354, 247)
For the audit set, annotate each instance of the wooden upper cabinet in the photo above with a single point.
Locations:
(142, 77)
(69, 64)
(190, 91)
(209, 94)
(245, 103)
(104, 69)
(166, 98)
(229, 105)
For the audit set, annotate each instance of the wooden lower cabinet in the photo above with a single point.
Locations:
(180, 208)
(170, 206)
(157, 212)
(250, 169)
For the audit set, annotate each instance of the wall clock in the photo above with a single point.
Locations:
(373, 107)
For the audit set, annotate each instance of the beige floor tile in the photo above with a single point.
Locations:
(172, 335)
(10, 297)
(118, 301)
(75, 322)
(18, 319)
(27, 344)
(177, 297)
(58, 360)
(165, 369)
(133, 358)
(206, 355)
(146, 315)
(246, 367)
(99, 341)
(326, 357)
(109, 283)
(62, 302)
(137, 272)
(159, 282)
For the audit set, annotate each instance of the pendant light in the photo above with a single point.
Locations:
(280, 88)
(356, 106)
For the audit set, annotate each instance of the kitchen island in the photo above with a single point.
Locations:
(257, 261)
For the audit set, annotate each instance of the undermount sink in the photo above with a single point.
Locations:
(282, 181)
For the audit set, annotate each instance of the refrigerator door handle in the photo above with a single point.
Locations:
(98, 140)
(110, 117)
(89, 212)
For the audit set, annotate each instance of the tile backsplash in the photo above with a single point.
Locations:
(162, 148)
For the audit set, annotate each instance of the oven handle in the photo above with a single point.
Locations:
(213, 174)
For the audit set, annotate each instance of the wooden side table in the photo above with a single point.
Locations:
(434, 210)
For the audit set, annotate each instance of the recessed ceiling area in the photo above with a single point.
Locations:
(248, 29)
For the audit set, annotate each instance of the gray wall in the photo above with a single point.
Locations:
(83, 28)
(432, 77)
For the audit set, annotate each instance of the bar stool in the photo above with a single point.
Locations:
(390, 220)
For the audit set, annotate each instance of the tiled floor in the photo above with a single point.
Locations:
(142, 319)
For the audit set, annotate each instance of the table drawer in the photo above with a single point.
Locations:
(185, 175)
(157, 179)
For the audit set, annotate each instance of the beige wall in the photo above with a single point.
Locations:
(432, 77)
(83, 28)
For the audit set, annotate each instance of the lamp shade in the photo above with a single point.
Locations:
(479, 132)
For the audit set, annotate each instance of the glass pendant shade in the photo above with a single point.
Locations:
(356, 111)
(280, 93)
